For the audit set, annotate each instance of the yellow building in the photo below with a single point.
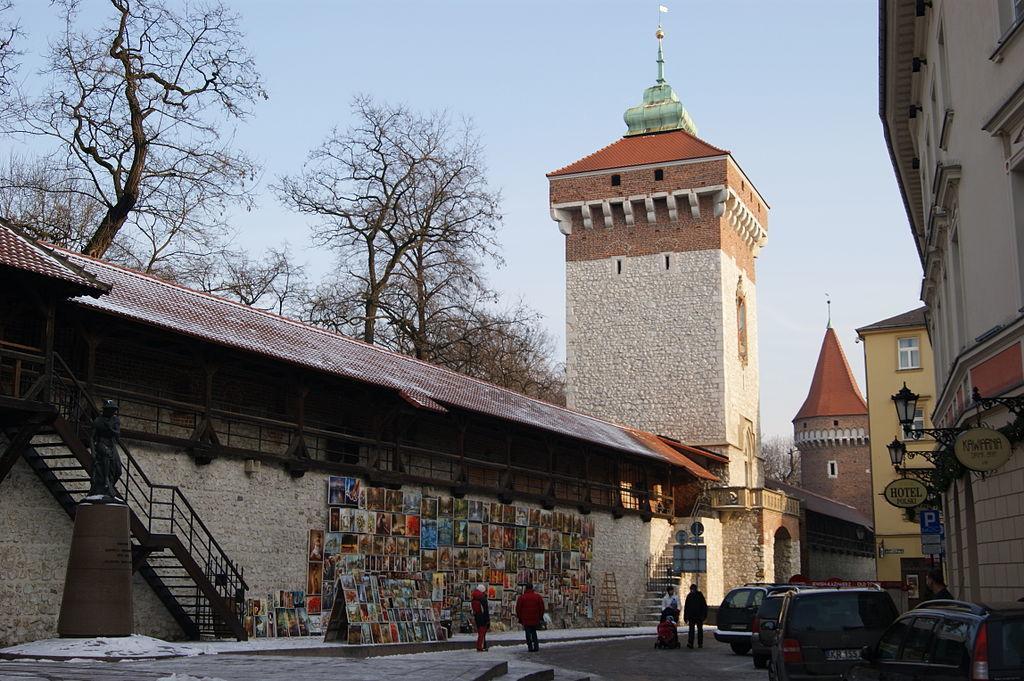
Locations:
(897, 351)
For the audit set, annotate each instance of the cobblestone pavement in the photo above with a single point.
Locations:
(632, 659)
(637, 660)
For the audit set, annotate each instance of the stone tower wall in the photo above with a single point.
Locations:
(843, 439)
(651, 323)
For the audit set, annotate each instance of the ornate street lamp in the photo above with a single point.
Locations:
(897, 450)
(906, 407)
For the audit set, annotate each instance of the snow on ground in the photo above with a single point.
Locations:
(134, 646)
(187, 677)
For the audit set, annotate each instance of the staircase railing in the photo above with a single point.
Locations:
(162, 509)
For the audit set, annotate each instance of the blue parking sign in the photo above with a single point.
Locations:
(931, 521)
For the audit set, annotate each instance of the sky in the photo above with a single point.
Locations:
(790, 87)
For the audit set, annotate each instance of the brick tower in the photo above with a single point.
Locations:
(831, 431)
(661, 232)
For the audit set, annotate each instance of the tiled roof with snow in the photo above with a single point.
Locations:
(149, 300)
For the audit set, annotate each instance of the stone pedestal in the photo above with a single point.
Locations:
(98, 588)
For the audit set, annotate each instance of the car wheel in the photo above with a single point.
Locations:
(761, 661)
(740, 648)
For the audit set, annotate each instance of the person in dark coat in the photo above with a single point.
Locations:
(481, 616)
(937, 585)
(530, 611)
(695, 611)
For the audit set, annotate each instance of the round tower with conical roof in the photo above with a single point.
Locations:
(831, 431)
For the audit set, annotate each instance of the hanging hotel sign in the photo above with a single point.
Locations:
(982, 449)
(905, 493)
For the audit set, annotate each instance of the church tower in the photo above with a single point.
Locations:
(661, 234)
(831, 432)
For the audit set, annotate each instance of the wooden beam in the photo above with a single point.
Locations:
(19, 441)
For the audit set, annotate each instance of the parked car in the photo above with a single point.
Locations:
(765, 626)
(948, 641)
(822, 632)
(736, 614)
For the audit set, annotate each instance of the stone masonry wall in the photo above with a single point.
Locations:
(644, 348)
(742, 375)
(829, 565)
(261, 521)
(622, 546)
(743, 553)
(35, 537)
(852, 485)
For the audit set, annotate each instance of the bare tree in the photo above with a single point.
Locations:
(9, 32)
(136, 113)
(781, 459)
(511, 349)
(392, 183)
(274, 282)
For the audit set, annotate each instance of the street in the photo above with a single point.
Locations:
(631, 659)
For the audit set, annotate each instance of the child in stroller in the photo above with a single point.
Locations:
(668, 636)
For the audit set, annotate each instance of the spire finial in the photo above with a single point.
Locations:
(828, 302)
(661, 55)
(661, 109)
(660, 34)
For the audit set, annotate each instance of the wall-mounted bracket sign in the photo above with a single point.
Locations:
(982, 449)
(905, 493)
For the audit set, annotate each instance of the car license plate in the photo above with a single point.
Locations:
(843, 654)
(738, 626)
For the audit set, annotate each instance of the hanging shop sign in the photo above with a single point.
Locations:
(905, 493)
(982, 449)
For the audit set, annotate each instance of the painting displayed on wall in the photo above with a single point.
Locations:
(452, 545)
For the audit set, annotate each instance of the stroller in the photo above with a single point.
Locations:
(668, 636)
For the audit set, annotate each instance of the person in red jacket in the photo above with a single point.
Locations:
(481, 616)
(530, 611)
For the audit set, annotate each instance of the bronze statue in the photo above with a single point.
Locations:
(106, 463)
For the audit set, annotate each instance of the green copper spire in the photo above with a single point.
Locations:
(661, 109)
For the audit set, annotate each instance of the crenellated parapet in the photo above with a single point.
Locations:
(605, 212)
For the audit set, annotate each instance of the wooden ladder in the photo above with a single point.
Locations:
(611, 614)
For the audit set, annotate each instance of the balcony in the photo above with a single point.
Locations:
(743, 498)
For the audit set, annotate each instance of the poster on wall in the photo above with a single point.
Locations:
(449, 545)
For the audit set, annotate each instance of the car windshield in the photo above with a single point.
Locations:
(840, 612)
(740, 598)
(770, 608)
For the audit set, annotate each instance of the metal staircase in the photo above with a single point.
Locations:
(172, 548)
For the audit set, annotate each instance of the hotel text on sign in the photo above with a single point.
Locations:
(905, 493)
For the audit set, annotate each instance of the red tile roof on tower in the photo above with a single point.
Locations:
(662, 147)
(174, 308)
(834, 390)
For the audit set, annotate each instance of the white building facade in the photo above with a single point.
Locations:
(952, 105)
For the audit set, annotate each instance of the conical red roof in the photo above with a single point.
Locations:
(834, 390)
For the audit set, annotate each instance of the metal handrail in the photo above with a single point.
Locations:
(139, 492)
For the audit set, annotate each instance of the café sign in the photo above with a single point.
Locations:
(905, 493)
(982, 449)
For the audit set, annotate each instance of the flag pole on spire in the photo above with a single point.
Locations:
(661, 54)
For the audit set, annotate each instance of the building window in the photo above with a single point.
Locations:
(909, 353)
(616, 180)
(917, 425)
(833, 469)
(1010, 14)
(668, 262)
(659, 175)
(741, 327)
(618, 266)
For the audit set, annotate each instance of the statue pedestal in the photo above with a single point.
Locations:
(98, 587)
